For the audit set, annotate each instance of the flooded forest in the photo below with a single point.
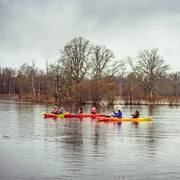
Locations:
(87, 73)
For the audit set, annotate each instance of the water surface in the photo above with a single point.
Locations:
(32, 147)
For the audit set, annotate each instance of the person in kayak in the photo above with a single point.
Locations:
(93, 110)
(62, 111)
(136, 114)
(55, 110)
(118, 114)
(80, 111)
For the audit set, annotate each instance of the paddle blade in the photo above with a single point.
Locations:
(115, 107)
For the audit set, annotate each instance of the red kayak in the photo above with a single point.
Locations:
(83, 115)
(46, 115)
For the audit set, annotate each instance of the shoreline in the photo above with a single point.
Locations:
(163, 102)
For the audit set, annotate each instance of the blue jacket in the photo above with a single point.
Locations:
(119, 114)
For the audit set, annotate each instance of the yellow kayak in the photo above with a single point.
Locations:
(142, 119)
(122, 119)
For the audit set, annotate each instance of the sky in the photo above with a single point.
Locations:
(36, 30)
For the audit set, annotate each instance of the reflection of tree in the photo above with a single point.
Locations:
(144, 135)
(151, 109)
(25, 120)
(99, 143)
(72, 140)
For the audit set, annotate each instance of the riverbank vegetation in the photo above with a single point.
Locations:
(90, 73)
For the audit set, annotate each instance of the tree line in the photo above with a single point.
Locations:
(86, 72)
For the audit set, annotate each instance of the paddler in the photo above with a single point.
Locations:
(93, 110)
(80, 111)
(62, 111)
(118, 114)
(136, 114)
(55, 110)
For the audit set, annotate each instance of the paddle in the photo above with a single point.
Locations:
(115, 107)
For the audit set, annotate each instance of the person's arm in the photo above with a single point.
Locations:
(115, 113)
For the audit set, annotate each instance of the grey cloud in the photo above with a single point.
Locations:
(128, 9)
(30, 29)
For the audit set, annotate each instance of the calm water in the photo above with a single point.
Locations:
(32, 147)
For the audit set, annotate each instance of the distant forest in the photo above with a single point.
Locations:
(86, 72)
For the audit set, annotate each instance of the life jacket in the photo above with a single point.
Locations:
(93, 111)
(62, 111)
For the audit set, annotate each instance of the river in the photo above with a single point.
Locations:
(34, 148)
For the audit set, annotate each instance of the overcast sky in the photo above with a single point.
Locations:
(38, 29)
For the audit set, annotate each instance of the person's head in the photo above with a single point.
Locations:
(136, 111)
(80, 108)
(119, 111)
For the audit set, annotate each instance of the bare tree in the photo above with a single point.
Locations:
(33, 76)
(81, 92)
(132, 90)
(174, 79)
(111, 90)
(114, 71)
(24, 80)
(7, 78)
(97, 91)
(55, 81)
(100, 61)
(149, 69)
(75, 59)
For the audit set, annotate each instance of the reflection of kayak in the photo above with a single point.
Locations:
(83, 115)
(46, 115)
(120, 120)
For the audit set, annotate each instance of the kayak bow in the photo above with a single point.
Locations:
(47, 115)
